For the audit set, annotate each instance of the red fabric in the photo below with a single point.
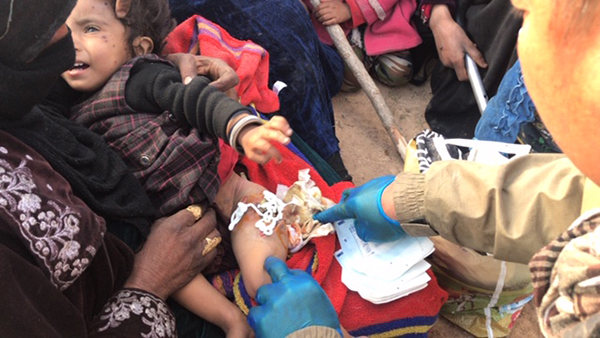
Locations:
(426, 13)
(358, 313)
(249, 60)
(228, 160)
(354, 312)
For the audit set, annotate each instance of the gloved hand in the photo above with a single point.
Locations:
(294, 301)
(364, 204)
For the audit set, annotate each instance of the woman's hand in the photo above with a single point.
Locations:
(190, 65)
(365, 204)
(172, 254)
(452, 42)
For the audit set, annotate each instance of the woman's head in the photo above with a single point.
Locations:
(103, 43)
(559, 48)
(34, 50)
(26, 27)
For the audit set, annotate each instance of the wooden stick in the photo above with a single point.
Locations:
(366, 82)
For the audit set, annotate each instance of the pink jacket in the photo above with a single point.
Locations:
(388, 24)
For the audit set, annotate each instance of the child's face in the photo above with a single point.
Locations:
(101, 45)
(563, 80)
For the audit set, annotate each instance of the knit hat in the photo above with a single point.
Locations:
(26, 27)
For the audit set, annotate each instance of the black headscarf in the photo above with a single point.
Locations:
(96, 174)
(26, 27)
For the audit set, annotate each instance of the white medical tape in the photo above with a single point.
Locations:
(270, 211)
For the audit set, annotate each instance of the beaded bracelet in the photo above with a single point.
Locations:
(237, 128)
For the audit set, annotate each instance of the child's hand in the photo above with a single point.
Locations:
(256, 140)
(332, 12)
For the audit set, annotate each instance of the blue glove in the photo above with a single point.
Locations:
(294, 301)
(364, 204)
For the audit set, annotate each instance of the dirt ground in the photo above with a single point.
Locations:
(368, 152)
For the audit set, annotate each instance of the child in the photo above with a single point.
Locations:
(381, 29)
(167, 134)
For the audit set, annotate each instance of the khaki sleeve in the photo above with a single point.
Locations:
(509, 210)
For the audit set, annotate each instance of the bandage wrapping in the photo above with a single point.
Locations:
(300, 201)
(270, 210)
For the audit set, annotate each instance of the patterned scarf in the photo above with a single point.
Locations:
(566, 280)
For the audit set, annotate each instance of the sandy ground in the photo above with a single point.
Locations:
(368, 152)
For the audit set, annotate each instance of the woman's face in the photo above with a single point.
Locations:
(562, 74)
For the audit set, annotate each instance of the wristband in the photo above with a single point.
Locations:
(237, 128)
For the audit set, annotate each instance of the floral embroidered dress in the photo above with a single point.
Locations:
(61, 274)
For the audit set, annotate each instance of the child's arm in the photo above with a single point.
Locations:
(333, 12)
(204, 300)
(157, 87)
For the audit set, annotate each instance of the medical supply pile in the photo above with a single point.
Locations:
(382, 272)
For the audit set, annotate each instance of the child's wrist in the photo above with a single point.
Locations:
(237, 128)
(234, 119)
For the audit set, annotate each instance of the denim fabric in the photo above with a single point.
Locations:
(313, 71)
(507, 110)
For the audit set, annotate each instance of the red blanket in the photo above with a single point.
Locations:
(250, 61)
